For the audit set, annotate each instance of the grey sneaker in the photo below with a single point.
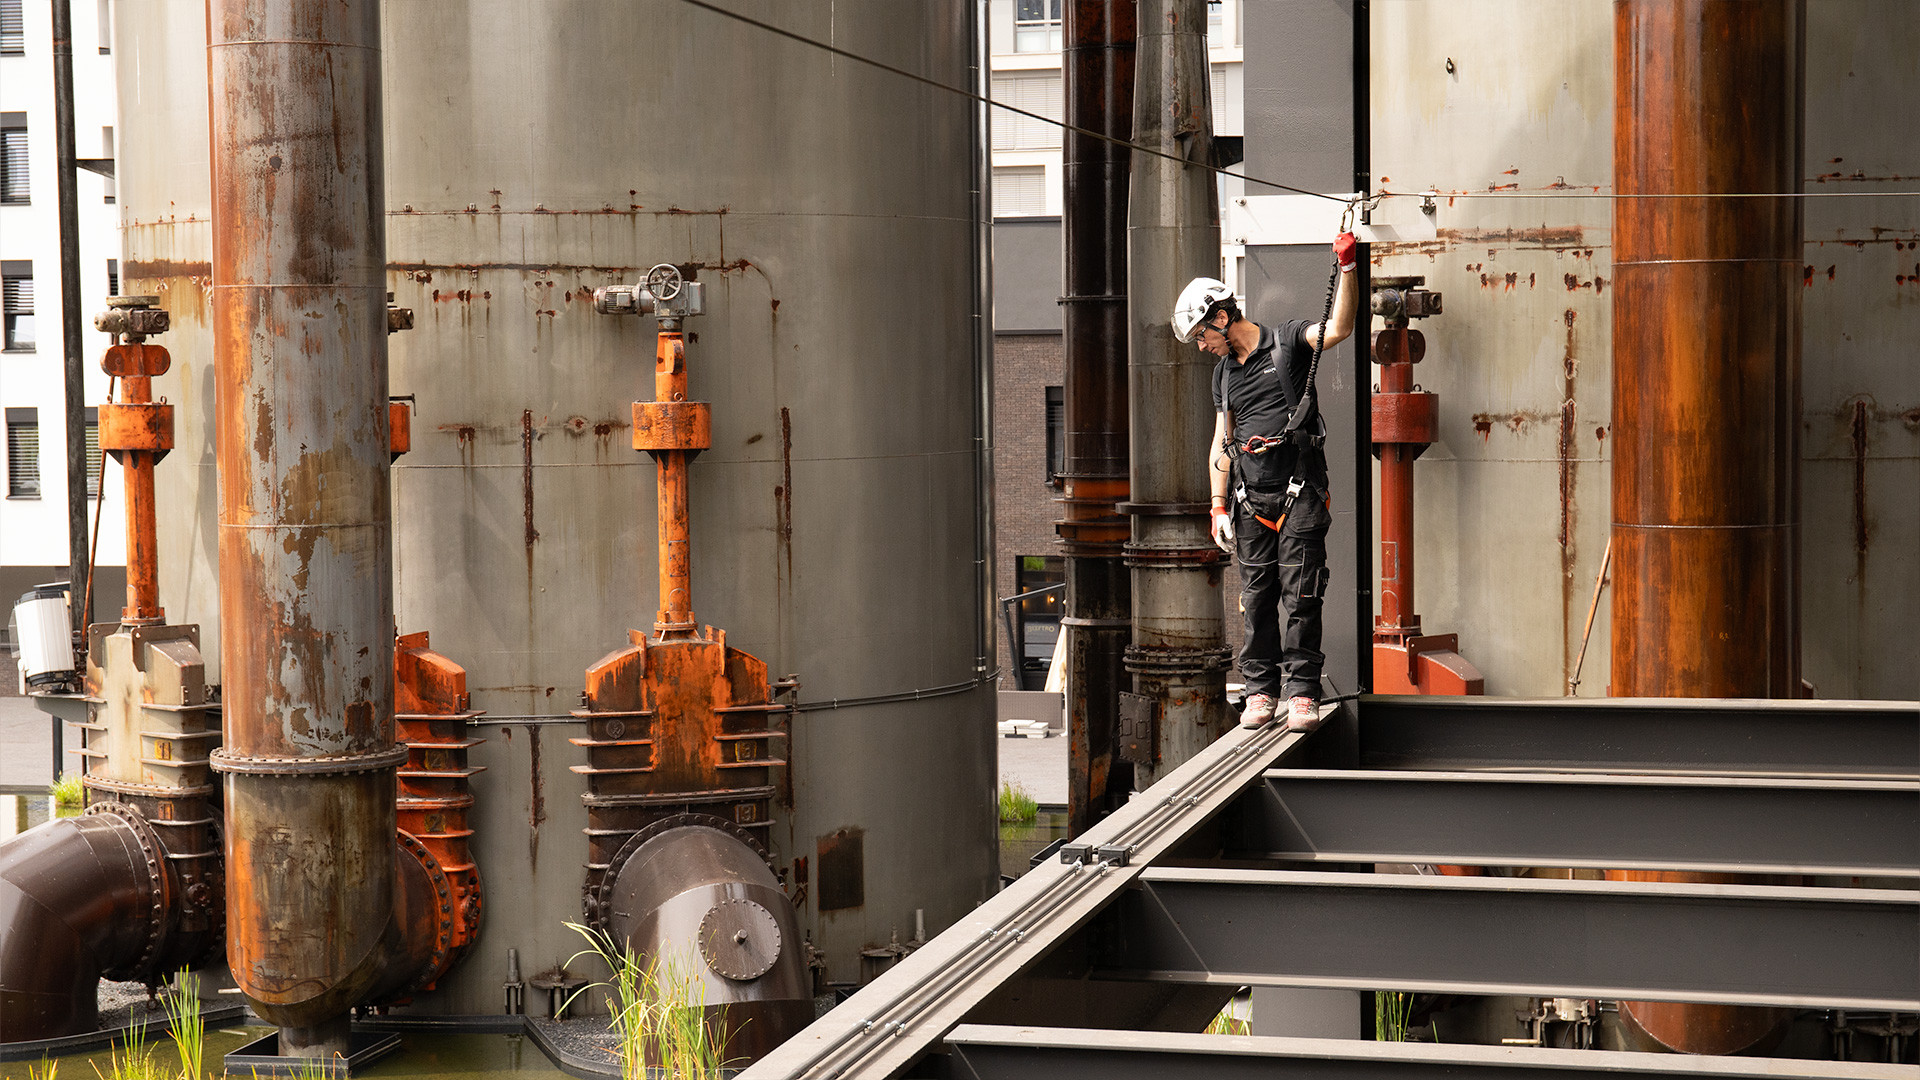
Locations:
(1259, 711)
(1303, 714)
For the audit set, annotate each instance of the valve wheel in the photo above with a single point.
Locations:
(664, 281)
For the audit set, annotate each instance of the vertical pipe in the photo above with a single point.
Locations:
(1098, 68)
(136, 467)
(74, 375)
(1706, 348)
(300, 330)
(1706, 372)
(676, 560)
(1396, 492)
(1179, 656)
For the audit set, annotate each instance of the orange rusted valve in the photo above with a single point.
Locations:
(138, 432)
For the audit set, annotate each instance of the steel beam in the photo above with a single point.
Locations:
(1653, 735)
(1713, 824)
(896, 1018)
(1653, 941)
(1004, 1053)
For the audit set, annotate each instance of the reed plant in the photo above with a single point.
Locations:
(658, 1010)
(185, 1024)
(132, 1059)
(1016, 806)
(1228, 1024)
(47, 1070)
(1390, 1013)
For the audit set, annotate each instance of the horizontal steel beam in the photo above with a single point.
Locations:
(1655, 735)
(1598, 820)
(1004, 1053)
(1656, 941)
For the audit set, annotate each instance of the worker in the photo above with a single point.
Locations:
(1268, 477)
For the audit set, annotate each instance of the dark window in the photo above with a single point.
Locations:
(1036, 25)
(113, 277)
(1056, 433)
(14, 187)
(16, 305)
(93, 453)
(23, 453)
(1037, 625)
(13, 36)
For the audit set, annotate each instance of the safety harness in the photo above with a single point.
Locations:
(1295, 432)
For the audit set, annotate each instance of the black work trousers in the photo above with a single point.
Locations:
(1284, 581)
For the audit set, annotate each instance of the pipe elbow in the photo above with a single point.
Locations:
(79, 897)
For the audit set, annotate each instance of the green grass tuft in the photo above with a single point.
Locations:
(1390, 1013)
(67, 792)
(659, 1012)
(189, 1031)
(1016, 806)
(132, 1059)
(1228, 1024)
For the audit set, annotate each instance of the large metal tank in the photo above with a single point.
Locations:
(535, 151)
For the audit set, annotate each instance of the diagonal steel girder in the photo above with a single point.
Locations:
(1651, 735)
(1605, 821)
(1654, 941)
(1005, 1053)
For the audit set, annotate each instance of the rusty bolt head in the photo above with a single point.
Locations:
(398, 318)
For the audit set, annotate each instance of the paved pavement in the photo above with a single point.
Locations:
(1038, 766)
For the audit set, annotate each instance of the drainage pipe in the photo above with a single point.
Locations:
(300, 329)
(1098, 65)
(1179, 654)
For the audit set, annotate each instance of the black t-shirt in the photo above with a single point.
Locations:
(1260, 392)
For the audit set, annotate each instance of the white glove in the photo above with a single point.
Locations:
(1223, 529)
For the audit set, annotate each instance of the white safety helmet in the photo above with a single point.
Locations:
(1196, 304)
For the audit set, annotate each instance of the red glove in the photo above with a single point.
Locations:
(1222, 529)
(1345, 247)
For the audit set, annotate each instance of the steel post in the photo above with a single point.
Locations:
(73, 371)
(300, 329)
(1179, 656)
(1098, 71)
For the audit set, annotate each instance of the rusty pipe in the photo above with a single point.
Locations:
(138, 432)
(300, 327)
(1098, 71)
(1178, 656)
(674, 430)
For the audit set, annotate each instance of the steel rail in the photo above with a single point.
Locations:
(983, 1052)
(1602, 821)
(1644, 940)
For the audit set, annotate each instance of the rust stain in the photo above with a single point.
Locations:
(1859, 439)
(1598, 284)
(526, 478)
(1483, 424)
(537, 805)
(1517, 422)
(783, 495)
(1569, 469)
(159, 268)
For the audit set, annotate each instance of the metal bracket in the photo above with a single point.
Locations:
(1139, 729)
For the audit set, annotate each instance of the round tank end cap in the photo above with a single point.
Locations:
(740, 939)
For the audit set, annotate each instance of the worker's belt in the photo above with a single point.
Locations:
(1270, 508)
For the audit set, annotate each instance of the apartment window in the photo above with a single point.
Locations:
(1056, 433)
(13, 158)
(106, 32)
(1216, 23)
(1037, 92)
(13, 36)
(1019, 190)
(113, 277)
(23, 453)
(1036, 26)
(93, 453)
(16, 302)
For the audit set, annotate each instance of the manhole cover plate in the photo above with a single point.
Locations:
(740, 939)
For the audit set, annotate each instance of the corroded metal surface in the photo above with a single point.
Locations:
(1178, 656)
(299, 323)
(1706, 325)
(1098, 70)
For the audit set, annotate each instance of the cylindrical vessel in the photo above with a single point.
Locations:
(1179, 654)
(1097, 67)
(830, 209)
(1706, 331)
(299, 334)
(1706, 377)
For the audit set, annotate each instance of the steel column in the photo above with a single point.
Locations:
(1734, 944)
(1805, 738)
(1098, 69)
(73, 370)
(1749, 825)
(1007, 1053)
(300, 330)
(1179, 656)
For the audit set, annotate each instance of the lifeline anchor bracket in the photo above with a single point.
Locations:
(1110, 854)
